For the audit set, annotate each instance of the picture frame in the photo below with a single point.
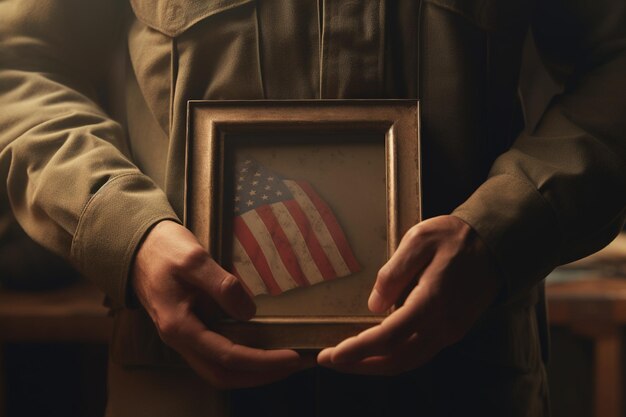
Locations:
(355, 162)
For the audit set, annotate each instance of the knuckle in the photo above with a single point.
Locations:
(228, 285)
(427, 229)
(191, 259)
(384, 275)
(169, 329)
(168, 334)
(414, 233)
(226, 359)
(386, 282)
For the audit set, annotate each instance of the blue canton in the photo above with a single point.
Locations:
(257, 186)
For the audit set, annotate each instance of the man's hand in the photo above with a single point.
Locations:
(178, 283)
(457, 282)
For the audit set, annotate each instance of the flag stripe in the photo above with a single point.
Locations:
(298, 243)
(278, 270)
(282, 245)
(333, 226)
(256, 255)
(244, 269)
(320, 228)
(315, 248)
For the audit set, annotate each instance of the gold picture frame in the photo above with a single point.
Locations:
(364, 156)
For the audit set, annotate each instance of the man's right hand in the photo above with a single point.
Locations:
(176, 280)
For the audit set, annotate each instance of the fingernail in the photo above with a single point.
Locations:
(376, 303)
(324, 356)
(340, 360)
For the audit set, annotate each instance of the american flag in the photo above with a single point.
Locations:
(285, 235)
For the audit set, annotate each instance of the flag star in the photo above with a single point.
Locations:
(255, 182)
(257, 174)
(239, 187)
(264, 197)
(270, 178)
(279, 193)
(249, 203)
(267, 187)
(237, 198)
(252, 192)
(241, 178)
(244, 169)
(248, 161)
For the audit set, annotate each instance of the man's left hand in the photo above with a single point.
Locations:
(452, 280)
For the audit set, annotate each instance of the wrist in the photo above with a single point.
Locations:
(142, 258)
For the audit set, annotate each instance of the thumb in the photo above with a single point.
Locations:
(224, 288)
(196, 267)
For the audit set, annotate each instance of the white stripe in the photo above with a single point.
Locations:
(259, 231)
(297, 243)
(246, 269)
(319, 228)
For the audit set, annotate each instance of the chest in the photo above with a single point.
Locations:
(234, 49)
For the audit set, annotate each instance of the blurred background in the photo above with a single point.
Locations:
(54, 328)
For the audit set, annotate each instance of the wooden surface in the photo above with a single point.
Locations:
(595, 308)
(73, 314)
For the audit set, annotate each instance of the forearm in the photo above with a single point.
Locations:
(557, 195)
(69, 179)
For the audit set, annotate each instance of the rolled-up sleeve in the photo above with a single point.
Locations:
(560, 192)
(65, 165)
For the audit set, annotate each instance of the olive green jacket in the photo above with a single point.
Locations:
(93, 106)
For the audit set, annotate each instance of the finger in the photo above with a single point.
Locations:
(411, 354)
(222, 287)
(378, 363)
(193, 335)
(393, 330)
(224, 378)
(411, 257)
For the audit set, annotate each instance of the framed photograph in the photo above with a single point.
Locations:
(303, 201)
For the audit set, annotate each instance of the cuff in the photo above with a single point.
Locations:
(519, 227)
(111, 227)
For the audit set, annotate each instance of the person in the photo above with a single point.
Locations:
(93, 158)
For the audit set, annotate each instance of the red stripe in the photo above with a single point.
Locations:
(282, 244)
(252, 248)
(243, 283)
(333, 227)
(315, 248)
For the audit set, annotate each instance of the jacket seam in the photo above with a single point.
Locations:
(544, 203)
(530, 185)
(76, 249)
(167, 30)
